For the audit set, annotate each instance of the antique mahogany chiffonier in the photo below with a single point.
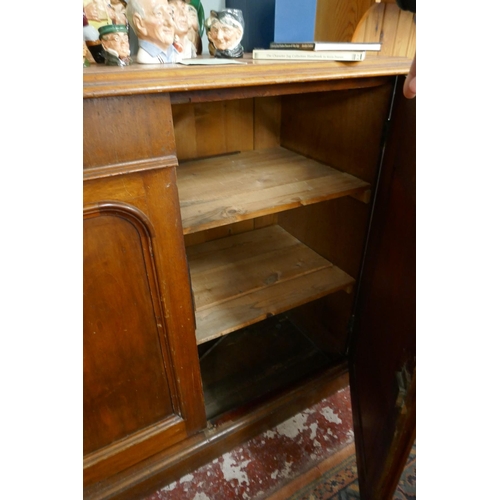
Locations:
(249, 248)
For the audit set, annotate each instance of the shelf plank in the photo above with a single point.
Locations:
(243, 279)
(218, 191)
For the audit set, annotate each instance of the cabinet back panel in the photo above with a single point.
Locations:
(213, 128)
(125, 385)
(230, 229)
(267, 122)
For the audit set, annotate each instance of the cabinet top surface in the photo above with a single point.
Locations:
(104, 81)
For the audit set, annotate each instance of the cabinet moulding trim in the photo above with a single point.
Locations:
(131, 167)
(147, 233)
(130, 441)
(129, 451)
(107, 82)
(120, 209)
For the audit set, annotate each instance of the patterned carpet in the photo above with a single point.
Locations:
(310, 456)
(341, 482)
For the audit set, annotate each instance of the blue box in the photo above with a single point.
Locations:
(294, 20)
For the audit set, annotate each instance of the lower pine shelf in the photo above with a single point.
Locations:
(245, 278)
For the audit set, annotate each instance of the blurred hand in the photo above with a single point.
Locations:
(410, 85)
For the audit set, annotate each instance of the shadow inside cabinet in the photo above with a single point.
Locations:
(250, 364)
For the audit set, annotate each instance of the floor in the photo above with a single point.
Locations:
(264, 465)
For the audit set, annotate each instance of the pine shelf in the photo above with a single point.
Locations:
(242, 279)
(221, 190)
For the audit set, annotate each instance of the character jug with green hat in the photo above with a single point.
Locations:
(114, 40)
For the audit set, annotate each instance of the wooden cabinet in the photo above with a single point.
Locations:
(229, 217)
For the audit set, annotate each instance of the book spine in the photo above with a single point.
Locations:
(292, 45)
(309, 56)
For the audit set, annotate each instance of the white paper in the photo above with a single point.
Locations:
(208, 62)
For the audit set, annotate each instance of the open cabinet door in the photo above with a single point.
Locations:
(383, 352)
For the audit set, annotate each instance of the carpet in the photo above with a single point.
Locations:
(307, 457)
(339, 480)
(270, 461)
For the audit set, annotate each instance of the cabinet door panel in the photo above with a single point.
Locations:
(125, 385)
(142, 386)
(383, 357)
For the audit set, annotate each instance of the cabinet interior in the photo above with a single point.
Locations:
(275, 196)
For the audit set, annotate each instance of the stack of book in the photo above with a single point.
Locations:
(316, 51)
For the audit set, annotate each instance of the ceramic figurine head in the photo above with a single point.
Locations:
(153, 23)
(117, 11)
(102, 12)
(225, 31)
(194, 28)
(182, 42)
(114, 39)
(96, 12)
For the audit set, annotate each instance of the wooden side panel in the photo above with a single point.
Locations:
(384, 342)
(342, 129)
(334, 229)
(125, 384)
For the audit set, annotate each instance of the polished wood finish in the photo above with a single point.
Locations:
(139, 397)
(109, 140)
(262, 77)
(151, 272)
(219, 438)
(117, 266)
(384, 340)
